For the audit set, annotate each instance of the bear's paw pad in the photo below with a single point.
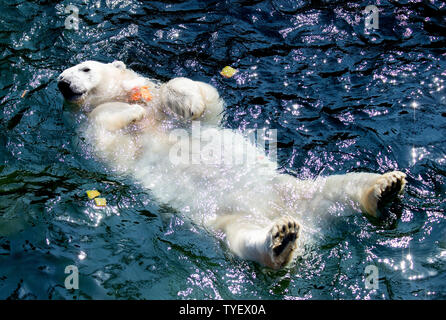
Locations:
(390, 185)
(284, 235)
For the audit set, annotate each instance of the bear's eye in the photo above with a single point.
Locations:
(86, 69)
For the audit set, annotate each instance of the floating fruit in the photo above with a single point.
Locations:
(100, 202)
(228, 72)
(93, 194)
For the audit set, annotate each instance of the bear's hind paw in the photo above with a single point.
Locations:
(384, 190)
(284, 235)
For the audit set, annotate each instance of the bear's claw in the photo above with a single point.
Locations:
(284, 236)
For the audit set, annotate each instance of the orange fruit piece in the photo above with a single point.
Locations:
(142, 93)
(145, 93)
(135, 94)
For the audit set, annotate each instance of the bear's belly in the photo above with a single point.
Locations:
(205, 187)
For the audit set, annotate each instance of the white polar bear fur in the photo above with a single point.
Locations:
(113, 83)
(255, 206)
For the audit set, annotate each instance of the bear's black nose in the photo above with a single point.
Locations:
(65, 88)
(63, 85)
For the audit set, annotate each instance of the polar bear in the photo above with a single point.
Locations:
(85, 85)
(256, 209)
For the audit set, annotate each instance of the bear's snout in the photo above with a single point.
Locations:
(67, 90)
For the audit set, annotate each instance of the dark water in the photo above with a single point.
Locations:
(342, 100)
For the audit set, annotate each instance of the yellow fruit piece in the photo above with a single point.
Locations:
(100, 202)
(93, 194)
(228, 72)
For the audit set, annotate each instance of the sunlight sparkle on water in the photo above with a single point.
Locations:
(82, 255)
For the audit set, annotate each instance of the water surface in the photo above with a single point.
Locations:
(341, 99)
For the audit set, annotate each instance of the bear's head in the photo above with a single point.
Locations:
(91, 80)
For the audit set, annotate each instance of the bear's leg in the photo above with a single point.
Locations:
(113, 116)
(192, 100)
(271, 246)
(105, 122)
(384, 189)
(372, 191)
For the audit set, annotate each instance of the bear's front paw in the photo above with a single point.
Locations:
(283, 241)
(136, 113)
(183, 97)
(384, 190)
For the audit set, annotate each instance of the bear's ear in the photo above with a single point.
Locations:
(119, 64)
